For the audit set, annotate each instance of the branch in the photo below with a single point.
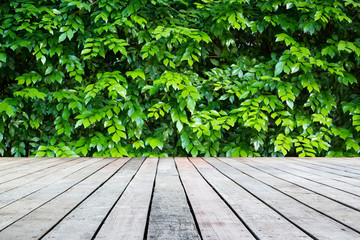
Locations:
(174, 9)
(78, 11)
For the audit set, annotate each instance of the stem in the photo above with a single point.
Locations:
(78, 11)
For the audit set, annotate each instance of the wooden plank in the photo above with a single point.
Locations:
(330, 192)
(343, 214)
(23, 163)
(170, 215)
(317, 175)
(30, 168)
(127, 220)
(28, 179)
(7, 163)
(328, 164)
(349, 162)
(23, 206)
(260, 218)
(83, 222)
(311, 221)
(37, 223)
(27, 188)
(332, 171)
(326, 178)
(214, 217)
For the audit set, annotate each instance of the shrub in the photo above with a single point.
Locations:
(177, 78)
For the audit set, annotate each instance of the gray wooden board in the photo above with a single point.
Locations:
(29, 169)
(313, 222)
(7, 163)
(345, 171)
(314, 167)
(326, 178)
(170, 216)
(83, 222)
(28, 188)
(39, 221)
(328, 164)
(4, 159)
(30, 165)
(348, 162)
(23, 206)
(346, 215)
(319, 176)
(127, 220)
(333, 171)
(215, 219)
(29, 179)
(261, 219)
(330, 192)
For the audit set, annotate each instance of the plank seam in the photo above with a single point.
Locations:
(32, 172)
(332, 175)
(24, 183)
(271, 207)
(189, 203)
(313, 190)
(56, 181)
(338, 221)
(313, 166)
(150, 204)
(83, 200)
(224, 200)
(54, 197)
(117, 200)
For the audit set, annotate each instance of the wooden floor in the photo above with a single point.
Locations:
(179, 198)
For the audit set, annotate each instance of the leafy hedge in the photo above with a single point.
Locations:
(175, 78)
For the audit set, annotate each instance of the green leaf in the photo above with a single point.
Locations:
(86, 123)
(2, 57)
(111, 129)
(116, 138)
(279, 67)
(62, 37)
(214, 62)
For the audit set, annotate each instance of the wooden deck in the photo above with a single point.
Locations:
(179, 198)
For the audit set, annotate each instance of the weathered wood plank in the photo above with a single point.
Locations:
(21, 171)
(23, 206)
(330, 192)
(348, 162)
(170, 216)
(309, 220)
(23, 163)
(28, 179)
(343, 214)
(346, 173)
(214, 217)
(328, 164)
(260, 218)
(83, 222)
(127, 220)
(327, 178)
(38, 222)
(27, 188)
(7, 163)
(315, 164)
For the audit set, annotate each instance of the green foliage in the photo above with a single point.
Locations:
(176, 78)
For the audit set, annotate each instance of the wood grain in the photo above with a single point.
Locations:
(170, 215)
(264, 221)
(215, 219)
(128, 218)
(309, 220)
(83, 222)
